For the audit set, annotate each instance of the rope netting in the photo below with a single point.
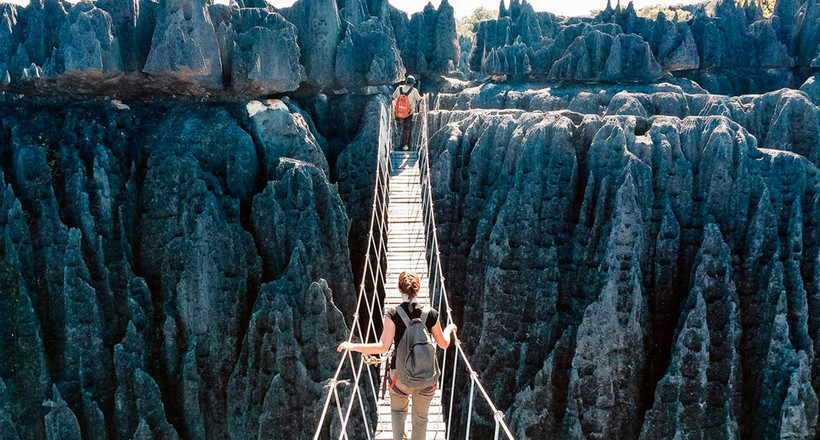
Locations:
(354, 369)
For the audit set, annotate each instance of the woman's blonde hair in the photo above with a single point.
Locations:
(409, 284)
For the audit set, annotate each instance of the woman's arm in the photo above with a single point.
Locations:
(388, 332)
(443, 338)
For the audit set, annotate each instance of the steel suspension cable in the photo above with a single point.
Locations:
(436, 280)
(382, 157)
(381, 207)
(436, 268)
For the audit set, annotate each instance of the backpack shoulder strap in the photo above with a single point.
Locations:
(403, 315)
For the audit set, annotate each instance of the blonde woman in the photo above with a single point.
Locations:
(394, 328)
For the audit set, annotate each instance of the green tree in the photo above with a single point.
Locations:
(467, 26)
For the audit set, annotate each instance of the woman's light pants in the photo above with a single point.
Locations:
(398, 411)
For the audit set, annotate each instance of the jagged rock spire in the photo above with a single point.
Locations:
(61, 423)
(712, 325)
(610, 340)
(680, 397)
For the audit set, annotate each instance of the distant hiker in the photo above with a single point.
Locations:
(413, 370)
(405, 102)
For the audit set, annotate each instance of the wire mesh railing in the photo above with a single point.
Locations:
(439, 296)
(369, 301)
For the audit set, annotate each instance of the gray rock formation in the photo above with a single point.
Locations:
(189, 47)
(61, 424)
(684, 403)
(638, 259)
(680, 407)
(379, 64)
(138, 250)
(301, 200)
(784, 119)
(776, 415)
(428, 39)
(84, 371)
(806, 46)
(708, 205)
(193, 48)
(609, 354)
(260, 53)
(288, 352)
(87, 45)
(511, 60)
(812, 88)
(283, 133)
(630, 60)
(7, 428)
(585, 58)
(677, 49)
(735, 50)
(319, 29)
(599, 56)
(184, 47)
(137, 400)
(787, 120)
(133, 26)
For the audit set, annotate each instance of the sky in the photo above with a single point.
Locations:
(560, 7)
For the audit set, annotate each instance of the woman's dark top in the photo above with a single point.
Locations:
(432, 318)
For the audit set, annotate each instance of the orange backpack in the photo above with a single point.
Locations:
(403, 105)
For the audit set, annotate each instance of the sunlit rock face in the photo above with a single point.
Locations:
(259, 52)
(195, 47)
(732, 49)
(428, 40)
(635, 261)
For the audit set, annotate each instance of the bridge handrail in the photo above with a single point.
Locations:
(373, 272)
(378, 213)
(422, 144)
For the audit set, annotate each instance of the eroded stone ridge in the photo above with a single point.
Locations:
(167, 273)
(196, 47)
(635, 276)
(733, 49)
(785, 119)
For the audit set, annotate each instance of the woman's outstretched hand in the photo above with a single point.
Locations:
(452, 328)
(344, 346)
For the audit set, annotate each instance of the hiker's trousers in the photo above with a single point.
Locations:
(399, 401)
(405, 125)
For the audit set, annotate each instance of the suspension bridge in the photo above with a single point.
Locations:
(402, 237)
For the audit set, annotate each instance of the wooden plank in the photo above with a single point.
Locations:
(406, 251)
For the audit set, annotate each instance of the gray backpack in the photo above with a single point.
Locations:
(416, 361)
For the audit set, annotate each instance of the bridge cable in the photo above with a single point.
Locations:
(378, 219)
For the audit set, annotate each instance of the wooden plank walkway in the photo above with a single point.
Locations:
(406, 252)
